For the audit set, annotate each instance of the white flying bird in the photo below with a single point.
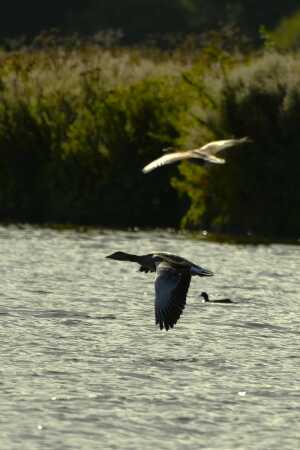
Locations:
(206, 153)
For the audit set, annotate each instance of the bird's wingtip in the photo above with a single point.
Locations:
(146, 169)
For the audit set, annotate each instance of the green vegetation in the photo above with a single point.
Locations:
(258, 190)
(77, 124)
(287, 34)
(75, 129)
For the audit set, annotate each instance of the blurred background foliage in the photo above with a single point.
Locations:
(139, 20)
(258, 190)
(82, 110)
(286, 36)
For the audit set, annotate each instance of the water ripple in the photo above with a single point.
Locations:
(83, 366)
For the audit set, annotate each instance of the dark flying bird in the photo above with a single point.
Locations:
(205, 153)
(173, 277)
(221, 300)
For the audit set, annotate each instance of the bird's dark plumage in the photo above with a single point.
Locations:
(171, 287)
(173, 277)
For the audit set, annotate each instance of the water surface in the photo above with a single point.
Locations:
(84, 367)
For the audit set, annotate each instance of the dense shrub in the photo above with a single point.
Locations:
(77, 126)
(75, 130)
(259, 189)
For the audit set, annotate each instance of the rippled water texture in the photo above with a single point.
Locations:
(84, 367)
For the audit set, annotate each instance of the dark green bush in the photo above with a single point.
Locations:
(75, 133)
(77, 126)
(258, 190)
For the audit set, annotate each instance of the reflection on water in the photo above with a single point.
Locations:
(83, 366)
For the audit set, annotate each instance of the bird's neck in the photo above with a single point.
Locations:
(133, 258)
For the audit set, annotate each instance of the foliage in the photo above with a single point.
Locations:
(76, 128)
(286, 35)
(77, 124)
(258, 190)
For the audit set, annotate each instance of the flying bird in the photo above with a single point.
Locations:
(221, 300)
(206, 153)
(173, 277)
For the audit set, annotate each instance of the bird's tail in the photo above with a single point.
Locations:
(201, 272)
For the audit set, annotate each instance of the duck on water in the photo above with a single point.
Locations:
(221, 300)
(173, 277)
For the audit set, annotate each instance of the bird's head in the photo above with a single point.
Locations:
(119, 256)
(205, 296)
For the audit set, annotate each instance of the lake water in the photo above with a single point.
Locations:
(84, 367)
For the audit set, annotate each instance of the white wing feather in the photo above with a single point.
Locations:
(166, 159)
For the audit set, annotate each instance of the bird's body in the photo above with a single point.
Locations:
(205, 153)
(173, 277)
(221, 300)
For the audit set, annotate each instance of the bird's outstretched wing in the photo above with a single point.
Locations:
(179, 263)
(169, 158)
(206, 153)
(214, 147)
(171, 287)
